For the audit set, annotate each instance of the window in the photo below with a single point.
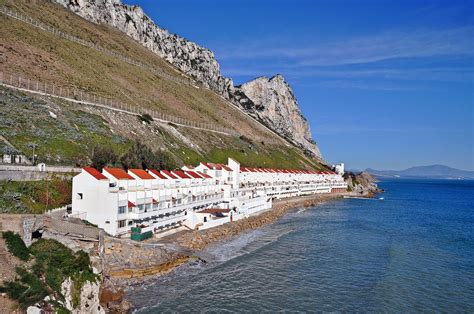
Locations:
(122, 223)
(130, 222)
(141, 207)
(79, 196)
(122, 209)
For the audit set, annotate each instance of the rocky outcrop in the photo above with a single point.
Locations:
(88, 297)
(269, 100)
(276, 106)
(362, 184)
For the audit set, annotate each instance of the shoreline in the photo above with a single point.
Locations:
(187, 243)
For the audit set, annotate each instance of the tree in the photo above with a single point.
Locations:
(103, 156)
(141, 156)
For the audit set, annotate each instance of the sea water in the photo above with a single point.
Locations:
(411, 252)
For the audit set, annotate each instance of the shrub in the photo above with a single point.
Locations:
(103, 156)
(141, 156)
(56, 262)
(246, 139)
(16, 246)
(145, 118)
(27, 288)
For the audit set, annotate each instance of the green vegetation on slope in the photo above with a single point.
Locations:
(67, 138)
(41, 55)
(35, 197)
(53, 264)
(73, 137)
(16, 246)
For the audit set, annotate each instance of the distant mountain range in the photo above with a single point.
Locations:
(433, 171)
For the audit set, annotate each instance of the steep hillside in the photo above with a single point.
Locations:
(39, 54)
(67, 133)
(200, 64)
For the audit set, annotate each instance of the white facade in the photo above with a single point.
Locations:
(339, 169)
(195, 197)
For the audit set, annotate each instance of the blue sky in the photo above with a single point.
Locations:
(384, 84)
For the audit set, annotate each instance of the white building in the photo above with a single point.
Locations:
(339, 169)
(200, 197)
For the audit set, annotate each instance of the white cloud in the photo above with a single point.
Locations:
(360, 50)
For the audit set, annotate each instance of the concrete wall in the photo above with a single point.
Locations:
(33, 173)
(21, 224)
(22, 175)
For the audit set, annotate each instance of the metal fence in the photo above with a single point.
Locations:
(55, 31)
(78, 96)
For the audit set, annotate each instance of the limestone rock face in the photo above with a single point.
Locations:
(270, 100)
(89, 297)
(276, 105)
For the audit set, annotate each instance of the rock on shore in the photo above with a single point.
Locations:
(362, 184)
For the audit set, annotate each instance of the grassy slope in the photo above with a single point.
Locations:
(34, 197)
(68, 139)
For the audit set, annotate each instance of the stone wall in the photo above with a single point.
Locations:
(33, 173)
(24, 225)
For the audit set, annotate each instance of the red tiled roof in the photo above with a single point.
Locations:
(213, 166)
(169, 174)
(142, 174)
(204, 175)
(95, 173)
(225, 167)
(193, 174)
(157, 173)
(119, 173)
(180, 174)
(130, 204)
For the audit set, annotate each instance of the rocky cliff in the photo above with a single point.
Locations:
(270, 100)
(276, 106)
